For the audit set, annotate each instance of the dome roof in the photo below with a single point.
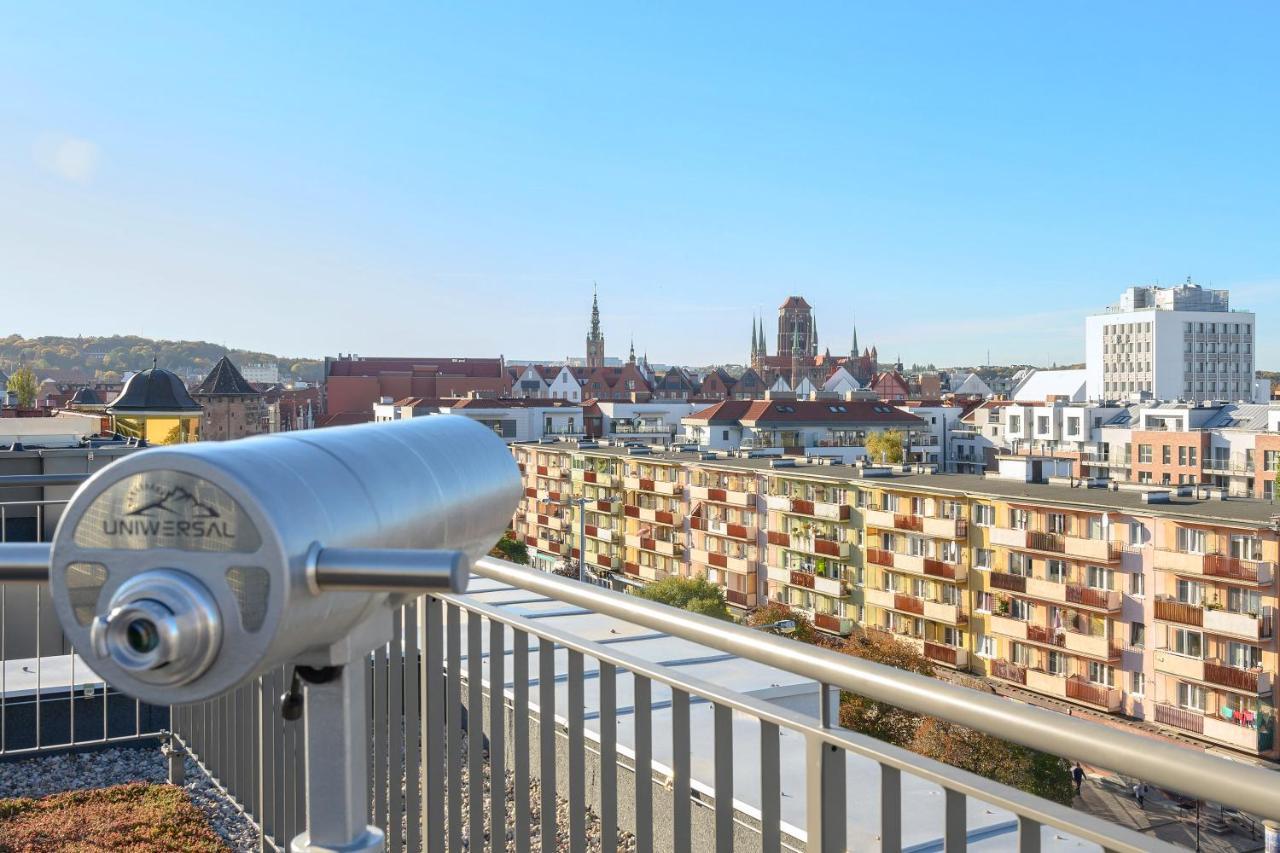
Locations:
(86, 396)
(154, 390)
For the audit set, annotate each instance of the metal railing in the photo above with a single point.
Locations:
(472, 685)
(49, 698)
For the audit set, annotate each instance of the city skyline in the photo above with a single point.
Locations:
(400, 174)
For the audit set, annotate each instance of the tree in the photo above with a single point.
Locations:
(23, 384)
(696, 594)
(889, 723)
(776, 611)
(511, 548)
(885, 446)
(1030, 770)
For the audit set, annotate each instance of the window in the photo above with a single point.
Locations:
(949, 552)
(986, 647)
(983, 558)
(1190, 592)
(1019, 519)
(984, 602)
(1191, 541)
(1057, 522)
(1244, 600)
(1166, 454)
(984, 515)
(1135, 534)
(1095, 528)
(1137, 635)
(1137, 584)
(1056, 570)
(1187, 642)
(1020, 564)
(1100, 673)
(1137, 683)
(1247, 547)
(1021, 654)
(1144, 453)
(1191, 696)
(1243, 655)
(1056, 663)
(1098, 577)
(1022, 610)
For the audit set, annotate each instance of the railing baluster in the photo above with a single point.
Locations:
(547, 741)
(577, 756)
(381, 665)
(453, 708)
(412, 727)
(497, 741)
(434, 734)
(890, 809)
(724, 776)
(475, 732)
(825, 784)
(770, 789)
(520, 739)
(642, 692)
(957, 826)
(680, 793)
(395, 729)
(1028, 835)
(608, 758)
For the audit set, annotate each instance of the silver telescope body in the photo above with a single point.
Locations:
(184, 571)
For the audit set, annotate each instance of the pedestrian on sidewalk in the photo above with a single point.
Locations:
(1077, 774)
(1140, 794)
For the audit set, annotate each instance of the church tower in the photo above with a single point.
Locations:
(595, 338)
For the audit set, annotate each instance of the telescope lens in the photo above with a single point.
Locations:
(142, 636)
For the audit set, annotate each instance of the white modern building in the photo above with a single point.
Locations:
(267, 373)
(1178, 343)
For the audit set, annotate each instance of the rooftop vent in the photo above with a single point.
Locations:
(637, 451)
(782, 463)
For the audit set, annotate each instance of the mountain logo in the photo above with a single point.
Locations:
(177, 502)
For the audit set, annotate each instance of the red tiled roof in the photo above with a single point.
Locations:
(724, 412)
(470, 367)
(514, 403)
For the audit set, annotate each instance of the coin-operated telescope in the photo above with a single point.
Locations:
(182, 572)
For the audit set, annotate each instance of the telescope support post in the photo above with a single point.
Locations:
(337, 724)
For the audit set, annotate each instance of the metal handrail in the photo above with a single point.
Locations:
(1167, 765)
(1087, 827)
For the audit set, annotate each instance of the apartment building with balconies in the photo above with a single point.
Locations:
(813, 555)
(542, 519)
(1139, 602)
(917, 557)
(726, 530)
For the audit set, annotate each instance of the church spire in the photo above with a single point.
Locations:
(755, 341)
(595, 314)
(632, 358)
(764, 343)
(595, 337)
(853, 353)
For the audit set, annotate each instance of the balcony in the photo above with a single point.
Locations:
(1096, 550)
(801, 579)
(951, 656)
(908, 522)
(946, 528)
(580, 475)
(946, 613)
(1039, 540)
(913, 563)
(878, 597)
(1098, 599)
(1008, 671)
(1234, 568)
(1234, 735)
(908, 603)
(1170, 662)
(777, 574)
(1092, 645)
(819, 545)
(657, 516)
(833, 587)
(1005, 581)
(718, 527)
(1179, 561)
(831, 511)
(945, 571)
(738, 598)
(724, 496)
(1006, 627)
(1181, 718)
(879, 557)
(1250, 626)
(1009, 537)
(1047, 683)
(1098, 695)
(1243, 680)
(878, 518)
(782, 503)
(1171, 610)
(833, 624)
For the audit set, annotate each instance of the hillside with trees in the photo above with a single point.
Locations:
(109, 358)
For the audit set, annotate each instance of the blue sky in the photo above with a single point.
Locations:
(451, 179)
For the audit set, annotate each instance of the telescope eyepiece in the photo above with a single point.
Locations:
(162, 626)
